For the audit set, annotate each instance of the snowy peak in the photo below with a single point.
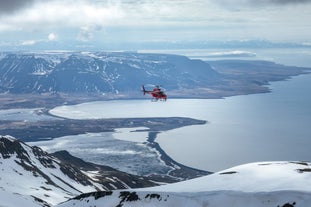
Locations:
(32, 177)
(29, 171)
(265, 184)
(11, 147)
(48, 179)
(252, 177)
(36, 161)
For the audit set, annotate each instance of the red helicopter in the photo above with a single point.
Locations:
(157, 93)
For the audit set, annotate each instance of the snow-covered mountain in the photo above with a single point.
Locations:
(29, 171)
(265, 184)
(32, 177)
(100, 72)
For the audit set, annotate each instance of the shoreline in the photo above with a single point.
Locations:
(75, 100)
(176, 171)
(44, 129)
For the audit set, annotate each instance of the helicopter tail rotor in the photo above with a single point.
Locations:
(143, 89)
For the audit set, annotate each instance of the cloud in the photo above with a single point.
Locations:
(9, 6)
(28, 42)
(85, 34)
(102, 13)
(238, 4)
(68, 14)
(280, 2)
(52, 36)
(101, 22)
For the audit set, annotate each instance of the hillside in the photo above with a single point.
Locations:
(31, 175)
(100, 72)
(265, 184)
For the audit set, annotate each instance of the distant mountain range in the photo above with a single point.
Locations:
(159, 45)
(100, 72)
(121, 74)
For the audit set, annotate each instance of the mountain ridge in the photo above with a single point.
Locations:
(50, 178)
(33, 178)
(58, 77)
(100, 72)
(46, 179)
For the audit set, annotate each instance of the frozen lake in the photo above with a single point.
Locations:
(36, 114)
(241, 129)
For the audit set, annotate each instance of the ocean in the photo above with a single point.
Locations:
(272, 126)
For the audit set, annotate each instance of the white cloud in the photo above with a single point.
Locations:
(60, 14)
(52, 36)
(260, 4)
(85, 34)
(161, 20)
(28, 42)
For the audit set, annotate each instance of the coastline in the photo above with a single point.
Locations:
(58, 128)
(39, 133)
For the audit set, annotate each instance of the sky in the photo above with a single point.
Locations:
(132, 24)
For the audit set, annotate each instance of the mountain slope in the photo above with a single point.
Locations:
(121, 74)
(30, 171)
(267, 184)
(42, 179)
(24, 73)
(100, 72)
(254, 177)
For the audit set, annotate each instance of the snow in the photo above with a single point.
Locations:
(9, 199)
(260, 184)
(234, 53)
(126, 109)
(253, 177)
(10, 138)
(103, 148)
(202, 199)
(135, 134)
(19, 181)
(34, 114)
(263, 184)
(20, 185)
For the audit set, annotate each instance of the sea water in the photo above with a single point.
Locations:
(240, 129)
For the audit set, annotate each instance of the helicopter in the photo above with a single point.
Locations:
(157, 92)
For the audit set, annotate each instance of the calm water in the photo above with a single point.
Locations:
(261, 127)
(241, 129)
